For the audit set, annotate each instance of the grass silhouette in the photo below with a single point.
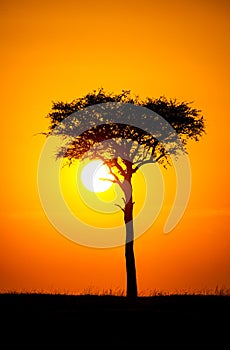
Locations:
(109, 320)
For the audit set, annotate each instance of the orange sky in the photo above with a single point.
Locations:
(60, 50)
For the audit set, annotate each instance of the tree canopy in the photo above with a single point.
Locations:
(120, 145)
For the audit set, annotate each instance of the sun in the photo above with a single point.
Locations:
(96, 177)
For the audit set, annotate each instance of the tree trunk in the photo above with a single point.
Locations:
(129, 251)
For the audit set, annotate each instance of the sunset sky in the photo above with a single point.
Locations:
(61, 50)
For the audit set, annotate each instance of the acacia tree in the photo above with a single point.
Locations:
(124, 148)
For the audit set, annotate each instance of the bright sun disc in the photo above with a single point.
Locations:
(95, 176)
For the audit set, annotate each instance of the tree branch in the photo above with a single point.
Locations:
(148, 161)
(114, 175)
(134, 153)
(110, 180)
(119, 167)
(118, 205)
(107, 162)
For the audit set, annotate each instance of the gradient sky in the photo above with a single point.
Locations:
(60, 50)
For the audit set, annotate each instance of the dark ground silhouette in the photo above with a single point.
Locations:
(189, 321)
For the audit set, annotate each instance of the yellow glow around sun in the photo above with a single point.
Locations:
(99, 209)
(95, 176)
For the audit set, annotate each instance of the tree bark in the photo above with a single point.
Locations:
(129, 251)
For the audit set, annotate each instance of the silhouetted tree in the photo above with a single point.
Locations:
(127, 147)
